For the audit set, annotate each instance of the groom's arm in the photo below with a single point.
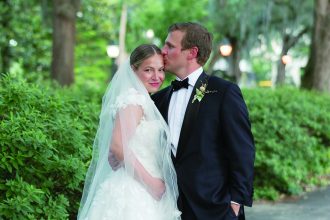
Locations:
(239, 144)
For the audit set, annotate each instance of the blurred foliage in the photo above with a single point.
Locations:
(46, 136)
(292, 136)
(177, 11)
(258, 28)
(28, 35)
(287, 17)
(232, 19)
(98, 25)
(262, 68)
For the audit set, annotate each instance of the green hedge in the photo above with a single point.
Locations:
(292, 136)
(46, 136)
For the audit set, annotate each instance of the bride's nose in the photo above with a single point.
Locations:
(156, 76)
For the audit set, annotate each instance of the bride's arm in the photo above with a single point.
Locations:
(126, 123)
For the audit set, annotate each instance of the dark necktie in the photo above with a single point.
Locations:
(180, 84)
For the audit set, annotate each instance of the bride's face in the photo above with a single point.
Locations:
(151, 72)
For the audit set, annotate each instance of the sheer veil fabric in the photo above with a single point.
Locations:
(126, 105)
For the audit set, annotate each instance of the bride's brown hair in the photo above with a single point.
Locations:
(142, 53)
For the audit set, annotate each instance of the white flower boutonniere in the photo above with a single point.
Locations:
(201, 92)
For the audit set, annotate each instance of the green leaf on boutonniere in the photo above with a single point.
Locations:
(201, 92)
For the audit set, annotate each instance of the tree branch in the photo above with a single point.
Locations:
(293, 40)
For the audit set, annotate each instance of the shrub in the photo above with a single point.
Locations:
(292, 137)
(46, 136)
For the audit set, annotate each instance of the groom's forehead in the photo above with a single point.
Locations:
(174, 37)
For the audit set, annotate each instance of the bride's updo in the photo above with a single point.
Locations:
(142, 53)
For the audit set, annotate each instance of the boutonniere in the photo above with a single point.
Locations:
(201, 91)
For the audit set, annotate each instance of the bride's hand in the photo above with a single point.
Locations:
(156, 188)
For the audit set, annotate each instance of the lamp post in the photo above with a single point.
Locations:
(113, 53)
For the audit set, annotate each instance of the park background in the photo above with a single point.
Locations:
(57, 58)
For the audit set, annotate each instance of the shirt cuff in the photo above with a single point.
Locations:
(232, 202)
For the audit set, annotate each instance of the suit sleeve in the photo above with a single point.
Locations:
(239, 145)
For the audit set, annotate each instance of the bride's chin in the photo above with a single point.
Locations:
(152, 90)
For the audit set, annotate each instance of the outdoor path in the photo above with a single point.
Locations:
(311, 206)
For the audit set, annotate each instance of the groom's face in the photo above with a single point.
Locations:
(174, 57)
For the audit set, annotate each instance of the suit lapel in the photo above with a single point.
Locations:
(190, 117)
(163, 108)
(164, 105)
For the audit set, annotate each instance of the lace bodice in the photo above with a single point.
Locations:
(145, 141)
(131, 97)
(144, 145)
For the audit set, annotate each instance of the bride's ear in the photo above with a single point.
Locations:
(133, 68)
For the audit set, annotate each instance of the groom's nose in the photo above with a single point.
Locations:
(164, 50)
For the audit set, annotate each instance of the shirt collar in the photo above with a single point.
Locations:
(193, 77)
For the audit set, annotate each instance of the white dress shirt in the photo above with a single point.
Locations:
(177, 108)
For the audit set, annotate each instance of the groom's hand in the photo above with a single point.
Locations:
(235, 208)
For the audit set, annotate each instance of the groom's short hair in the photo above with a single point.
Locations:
(195, 36)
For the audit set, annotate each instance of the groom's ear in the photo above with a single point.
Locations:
(193, 52)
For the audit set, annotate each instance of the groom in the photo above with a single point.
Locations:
(212, 145)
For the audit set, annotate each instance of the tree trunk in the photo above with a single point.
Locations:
(214, 59)
(288, 42)
(280, 78)
(64, 17)
(317, 73)
(234, 60)
(122, 35)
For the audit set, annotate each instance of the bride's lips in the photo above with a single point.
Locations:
(155, 84)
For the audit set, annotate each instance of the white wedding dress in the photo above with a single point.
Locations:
(120, 196)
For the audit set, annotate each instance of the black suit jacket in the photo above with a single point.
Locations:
(215, 154)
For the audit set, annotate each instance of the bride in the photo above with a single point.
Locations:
(132, 136)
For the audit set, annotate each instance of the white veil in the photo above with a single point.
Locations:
(121, 111)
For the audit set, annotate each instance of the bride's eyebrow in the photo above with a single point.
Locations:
(148, 67)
